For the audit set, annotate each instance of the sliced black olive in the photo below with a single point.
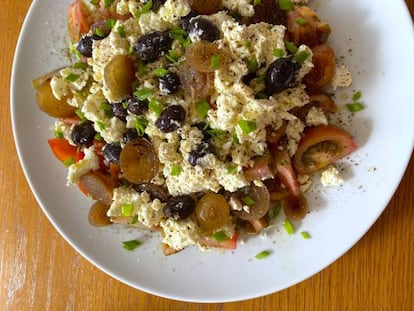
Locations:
(203, 29)
(202, 149)
(179, 207)
(169, 83)
(280, 75)
(171, 118)
(152, 46)
(83, 134)
(111, 152)
(85, 46)
(119, 111)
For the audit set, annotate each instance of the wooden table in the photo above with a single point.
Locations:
(40, 271)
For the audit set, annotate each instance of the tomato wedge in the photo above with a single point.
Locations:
(78, 20)
(324, 67)
(260, 169)
(284, 169)
(64, 151)
(320, 146)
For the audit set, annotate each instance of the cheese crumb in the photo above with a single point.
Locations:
(331, 177)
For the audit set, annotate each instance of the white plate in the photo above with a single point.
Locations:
(377, 42)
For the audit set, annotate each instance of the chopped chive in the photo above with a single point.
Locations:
(305, 235)
(176, 170)
(291, 47)
(180, 35)
(121, 31)
(274, 209)
(134, 220)
(58, 134)
(172, 56)
(155, 106)
(140, 125)
(80, 114)
(256, 2)
(355, 107)
(357, 96)
(141, 67)
(107, 108)
(260, 79)
(289, 228)
(248, 201)
(74, 51)
(110, 23)
(80, 65)
(220, 236)
(99, 32)
(68, 162)
(262, 255)
(215, 62)
(100, 125)
(301, 21)
(108, 3)
(236, 138)
(285, 5)
(247, 126)
(252, 65)
(127, 209)
(131, 50)
(143, 93)
(72, 77)
(247, 43)
(160, 72)
(94, 2)
(301, 57)
(147, 7)
(231, 168)
(131, 245)
(278, 52)
(202, 108)
(216, 132)
(98, 137)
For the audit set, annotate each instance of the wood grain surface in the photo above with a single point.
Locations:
(40, 271)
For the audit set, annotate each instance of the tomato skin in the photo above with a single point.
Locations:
(283, 166)
(260, 169)
(227, 244)
(63, 150)
(319, 134)
(78, 20)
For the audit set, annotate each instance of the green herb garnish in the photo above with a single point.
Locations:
(110, 23)
(202, 108)
(274, 209)
(355, 107)
(172, 56)
(301, 57)
(155, 106)
(72, 77)
(147, 7)
(140, 125)
(127, 209)
(301, 21)
(256, 2)
(285, 5)
(231, 168)
(357, 96)
(176, 170)
(121, 31)
(305, 235)
(278, 52)
(252, 65)
(131, 245)
(100, 125)
(248, 201)
(215, 62)
(68, 162)
(160, 72)
(80, 65)
(262, 255)
(220, 236)
(107, 108)
(291, 47)
(289, 228)
(143, 94)
(247, 126)
(59, 134)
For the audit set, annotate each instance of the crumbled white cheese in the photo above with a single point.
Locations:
(244, 7)
(342, 77)
(331, 177)
(179, 234)
(90, 162)
(315, 117)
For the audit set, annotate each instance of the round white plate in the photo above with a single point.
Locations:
(376, 42)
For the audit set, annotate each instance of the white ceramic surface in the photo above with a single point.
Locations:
(377, 42)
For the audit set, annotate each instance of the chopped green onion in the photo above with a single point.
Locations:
(80, 65)
(131, 51)
(98, 137)
(301, 57)
(140, 125)
(357, 96)
(131, 245)
(134, 220)
(94, 2)
(260, 79)
(72, 77)
(142, 68)
(58, 134)
(262, 255)
(121, 31)
(215, 62)
(100, 125)
(68, 162)
(291, 47)
(285, 5)
(176, 170)
(74, 51)
(256, 2)
(216, 132)
(110, 23)
(236, 138)
(127, 209)
(80, 114)
(289, 228)
(147, 7)
(252, 65)
(247, 126)
(202, 108)
(108, 3)
(305, 235)
(160, 72)
(248, 201)
(172, 56)
(231, 168)
(180, 35)
(247, 43)
(274, 209)
(355, 107)
(220, 236)
(107, 108)
(155, 106)
(301, 21)
(99, 32)
(278, 52)
(144, 93)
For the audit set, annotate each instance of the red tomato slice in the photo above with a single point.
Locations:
(324, 67)
(284, 169)
(78, 20)
(227, 244)
(260, 169)
(320, 146)
(64, 151)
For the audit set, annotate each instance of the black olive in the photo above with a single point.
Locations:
(119, 111)
(203, 29)
(100, 30)
(269, 12)
(136, 106)
(202, 149)
(154, 191)
(112, 152)
(169, 83)
(179, 207)
(129, 135)
(153, 45)
(204, 128)
(85, 46)
(155, 4)
(185, 20)
(171, 118)
(280, 75)
(83, 134)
